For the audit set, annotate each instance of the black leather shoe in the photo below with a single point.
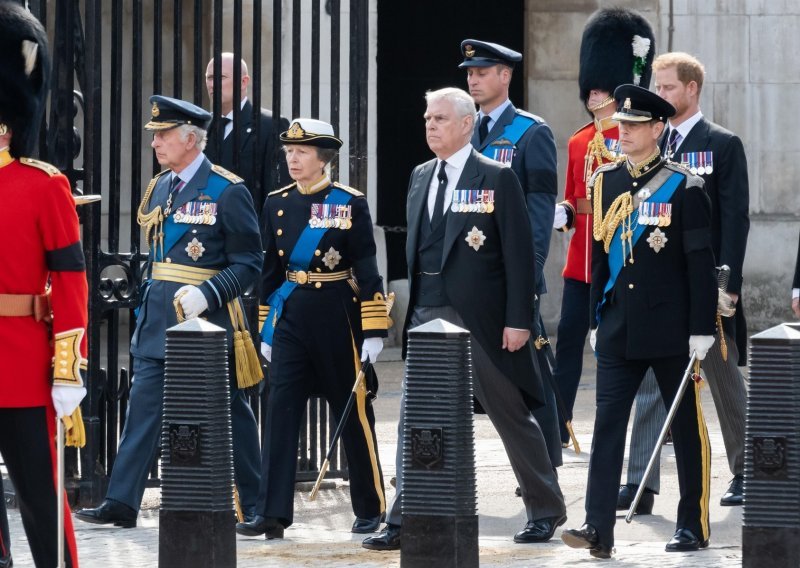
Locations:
(110, 512)
(586, 537)
(368, 524)
(685, 540)
(626, 495)
(389, 539)
(540, 531)
(735, 494)
(268, 526)
(518, 492)
(6, 561)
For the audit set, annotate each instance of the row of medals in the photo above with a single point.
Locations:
(196, 213)
(330, 216)
(655, 214)
(699, 163)
(472, 201)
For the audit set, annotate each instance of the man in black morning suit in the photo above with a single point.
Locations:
(470, 259)
(717, 156)
(261, 164)
(653, 301)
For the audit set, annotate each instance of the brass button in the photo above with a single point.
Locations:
(318, 285)
(355, 300)
(280, 253)
(317, 252)
(319, 269)
(301, 277)
(636, 184)
(169, 259)
(279, 232)
(285, 194)
(630, 286)
(280, 212)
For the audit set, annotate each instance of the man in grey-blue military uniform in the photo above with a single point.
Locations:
(205, 251)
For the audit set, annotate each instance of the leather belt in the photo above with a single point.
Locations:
(22, 305)
(181, 273)
(584, 206)
(303, 277)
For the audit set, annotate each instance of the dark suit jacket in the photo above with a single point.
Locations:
(493, 287)
(796, 280)
(727, 187)
(263, 169)
(534, 162)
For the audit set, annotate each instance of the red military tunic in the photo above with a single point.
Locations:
(42, 238)
(582, 161)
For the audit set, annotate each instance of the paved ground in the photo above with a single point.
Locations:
(321, 536)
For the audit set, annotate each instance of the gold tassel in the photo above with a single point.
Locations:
(240, 360)
(248, 367)
(74, 429)
(253, 364)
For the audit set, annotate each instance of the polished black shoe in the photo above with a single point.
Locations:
(389, 539)
(684, 540)
(6, 561)
(586, 537)
(268, 526)
(367, 525)
(110, 512)
(518, 492)
(735, 494)
(540, 531)
(626, 495)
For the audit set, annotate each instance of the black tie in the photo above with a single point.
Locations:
(438, 205)
(483, 128)
(672, 143)
(225, 122)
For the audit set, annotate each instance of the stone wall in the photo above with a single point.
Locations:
(749, 50)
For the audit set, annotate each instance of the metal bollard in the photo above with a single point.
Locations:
(196, 518)
(440, 520)
(771, 517)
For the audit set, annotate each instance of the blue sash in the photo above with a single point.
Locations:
(504, 153)
(300, 259)
(616, 254)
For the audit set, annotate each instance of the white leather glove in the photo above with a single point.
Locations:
(593, 338)
(66, 399)
(266, 351)
(700, 344)
(192, 300)
(371, 348)
(560, 218)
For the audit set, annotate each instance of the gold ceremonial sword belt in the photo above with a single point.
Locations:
(181, 273)
(303, 277)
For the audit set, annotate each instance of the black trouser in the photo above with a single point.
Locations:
(5, 536)
(27, 444)
(618, 380)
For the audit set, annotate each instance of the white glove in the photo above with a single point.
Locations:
(700, 344)
(593, 338)
(560, 218)
(66, 399)
(371, 348)
(266, 351)
(193, 302)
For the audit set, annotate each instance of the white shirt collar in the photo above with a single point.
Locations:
(686, 126)
(456, 161)
(188, 172)
(494, 116)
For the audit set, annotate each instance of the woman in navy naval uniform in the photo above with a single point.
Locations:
(323, 312)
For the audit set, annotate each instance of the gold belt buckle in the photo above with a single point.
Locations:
(301, 277)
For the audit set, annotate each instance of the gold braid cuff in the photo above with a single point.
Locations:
(263, 314)
(67, 360)
(375, 313)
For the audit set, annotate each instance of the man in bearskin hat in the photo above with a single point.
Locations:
(607, 60)
(38, 382)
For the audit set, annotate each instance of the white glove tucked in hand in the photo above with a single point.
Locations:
(266, 351)
(700, 344)
(192, 300)
(66, 399)
(560, 218)
(593, 338)
(371, 348)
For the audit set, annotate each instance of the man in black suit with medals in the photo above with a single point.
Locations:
(469, 238)
(259, 163)
(654, 299)
(717, 156)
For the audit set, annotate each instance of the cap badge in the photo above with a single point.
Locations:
(155, 110)
(627, 104)
(469, 51)
(295, 131)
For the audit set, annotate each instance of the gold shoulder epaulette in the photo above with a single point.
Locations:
(230, 176)
(49, 169)
(350, 190)
(692, 180)
(284, 188)
(161, 173)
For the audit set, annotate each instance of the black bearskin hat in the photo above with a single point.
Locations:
(23, 75)
(607, 51)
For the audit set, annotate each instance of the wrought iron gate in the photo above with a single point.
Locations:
(101, 76)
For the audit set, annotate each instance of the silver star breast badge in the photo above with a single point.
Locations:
(475, 238)
(195, 249)
(657, 240)
(331, 258)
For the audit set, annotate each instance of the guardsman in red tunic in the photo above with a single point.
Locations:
(43, 293)
(607, 60)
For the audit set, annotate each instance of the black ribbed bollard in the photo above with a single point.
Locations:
(771, 519)
(440, 520)
(196, 519)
